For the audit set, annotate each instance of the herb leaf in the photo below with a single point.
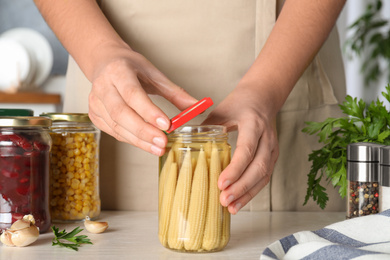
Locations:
(76, 241)
(363, 123)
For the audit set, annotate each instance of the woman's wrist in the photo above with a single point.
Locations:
(106, 54)
(263, 92)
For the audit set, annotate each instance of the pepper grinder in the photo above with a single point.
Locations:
(384, 185)
(363, 179)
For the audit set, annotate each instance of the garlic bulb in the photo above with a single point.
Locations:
(22, 233)
(95, 226)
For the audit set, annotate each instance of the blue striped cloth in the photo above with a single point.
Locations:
(360, 238)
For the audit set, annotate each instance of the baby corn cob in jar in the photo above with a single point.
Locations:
(191, 218)
(74, 168)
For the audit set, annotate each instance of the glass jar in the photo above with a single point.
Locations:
(191, 218)
(74, 168)
(363, 179)
(384, 185)
(24, 170)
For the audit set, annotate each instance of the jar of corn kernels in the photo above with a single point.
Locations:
(24, 170)
(191, 218)
(74, 168)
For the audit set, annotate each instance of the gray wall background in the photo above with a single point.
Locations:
(23, 13)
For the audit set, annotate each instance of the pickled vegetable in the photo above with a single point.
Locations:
(191, 216)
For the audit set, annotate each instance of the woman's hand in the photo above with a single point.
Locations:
(119, 104)
(121, 78)
(252, 107)
(256, 151)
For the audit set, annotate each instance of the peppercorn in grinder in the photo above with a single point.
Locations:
(363, 179)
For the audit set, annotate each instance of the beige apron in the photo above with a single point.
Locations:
(206, 46)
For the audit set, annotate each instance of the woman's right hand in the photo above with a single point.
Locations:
(120, 106)
(122, 79)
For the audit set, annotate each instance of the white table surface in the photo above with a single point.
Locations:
(133, 235)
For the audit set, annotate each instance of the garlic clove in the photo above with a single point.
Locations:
(29, 218)
(20, 224)
(95, 227)
(25, 222)
(24, 237)
(5, 238)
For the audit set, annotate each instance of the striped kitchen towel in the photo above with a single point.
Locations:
(360, 238)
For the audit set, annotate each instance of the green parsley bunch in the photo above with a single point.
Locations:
(362, 123)
(72, 240)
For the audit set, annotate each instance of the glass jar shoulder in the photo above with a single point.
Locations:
(73, 127)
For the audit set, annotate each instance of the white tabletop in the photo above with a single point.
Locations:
(133, 235)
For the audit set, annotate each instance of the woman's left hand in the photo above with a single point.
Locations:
(257, 147)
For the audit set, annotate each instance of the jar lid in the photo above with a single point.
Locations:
(23, 121)
(67, 117)
(363, 152)
(16, 112)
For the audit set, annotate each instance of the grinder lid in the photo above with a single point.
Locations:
(363, 152)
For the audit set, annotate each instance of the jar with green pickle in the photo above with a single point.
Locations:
(191, 217)
(74, 168)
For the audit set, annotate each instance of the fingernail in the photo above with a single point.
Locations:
(237, 207)
(229, 200)
(225, 184)
(162, 123)
(159, 142)
(156, 150)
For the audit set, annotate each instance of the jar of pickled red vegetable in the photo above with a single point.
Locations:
(24, 170)
(191, 218)
(74, 168)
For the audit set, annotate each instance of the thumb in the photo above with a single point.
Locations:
(180, 98)
(172, 92)
(155, 82)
